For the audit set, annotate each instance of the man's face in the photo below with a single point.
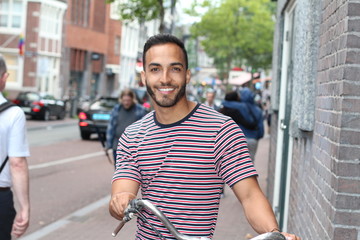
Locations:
(210, 97)
(165, 74)
(127, 101)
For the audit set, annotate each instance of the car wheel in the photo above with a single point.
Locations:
(46, 115)
(61, 115)
(85, 135)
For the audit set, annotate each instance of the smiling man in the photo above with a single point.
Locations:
(182, 153)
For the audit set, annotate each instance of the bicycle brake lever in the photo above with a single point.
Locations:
(129, 214)
(118, 228)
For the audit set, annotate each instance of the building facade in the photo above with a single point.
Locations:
(314, 170)
(31, 41)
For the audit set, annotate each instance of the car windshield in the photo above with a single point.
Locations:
(105, 104)
(29, 96)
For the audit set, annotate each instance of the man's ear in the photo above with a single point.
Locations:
(143, 78)
(188, 76)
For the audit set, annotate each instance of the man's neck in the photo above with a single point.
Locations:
(174, 114)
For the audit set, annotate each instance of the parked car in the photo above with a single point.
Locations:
(40, 105)
(96, 118)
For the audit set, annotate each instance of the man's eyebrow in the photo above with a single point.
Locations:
(176, 63)
(171, 64)
(154, 64)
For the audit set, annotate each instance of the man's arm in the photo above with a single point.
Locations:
(20, 179)
(256, 207)
(122, 192)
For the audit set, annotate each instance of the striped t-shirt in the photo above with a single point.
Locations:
(182, 167)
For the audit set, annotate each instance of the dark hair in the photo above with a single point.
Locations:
(3, 68)
(232, 96)
(163, 39)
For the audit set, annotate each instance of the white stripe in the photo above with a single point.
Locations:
(66, 220)
(66, 160)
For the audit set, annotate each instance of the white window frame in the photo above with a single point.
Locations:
(10, 14)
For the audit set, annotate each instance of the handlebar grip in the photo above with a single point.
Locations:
(118, 228)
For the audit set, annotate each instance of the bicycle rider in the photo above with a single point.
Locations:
(181, 153)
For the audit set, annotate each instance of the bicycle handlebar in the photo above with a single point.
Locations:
(136, 205)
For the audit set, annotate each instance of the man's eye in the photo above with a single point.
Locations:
(176, 69)
(154, 69)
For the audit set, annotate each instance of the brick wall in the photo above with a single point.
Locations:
(336, 160)
(31, 45)
(325, 172)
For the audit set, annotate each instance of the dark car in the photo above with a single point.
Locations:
(95, 119)
(40, 105)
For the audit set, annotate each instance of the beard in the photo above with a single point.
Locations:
(166, 101)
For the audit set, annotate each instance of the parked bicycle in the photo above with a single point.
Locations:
(134, 210)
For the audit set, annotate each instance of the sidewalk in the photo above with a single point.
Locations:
(94, 222)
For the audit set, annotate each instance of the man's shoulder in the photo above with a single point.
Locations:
(211, 115)
(11, 108)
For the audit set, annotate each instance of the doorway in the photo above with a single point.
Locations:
(284, 140)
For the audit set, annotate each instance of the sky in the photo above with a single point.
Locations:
(186, 19)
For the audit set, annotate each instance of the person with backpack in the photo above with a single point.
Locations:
(14, 173)
(246, 113)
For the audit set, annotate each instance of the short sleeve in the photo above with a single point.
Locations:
(232, 158)
(18, 144)
(126, 166)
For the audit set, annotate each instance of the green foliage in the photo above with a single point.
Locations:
(143, 10)
(237, 32)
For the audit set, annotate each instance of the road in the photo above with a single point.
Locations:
(66, 173)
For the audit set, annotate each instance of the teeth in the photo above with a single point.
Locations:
(166, 89)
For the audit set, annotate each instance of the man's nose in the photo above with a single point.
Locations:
(165, 78)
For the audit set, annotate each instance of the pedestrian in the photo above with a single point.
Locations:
(181, 153)
(122, 115)
(15, 174)
(249, 117)
(210, 97)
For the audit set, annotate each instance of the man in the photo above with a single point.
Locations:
(13, 143)
(122, 115)
(210, 97)
(251, 119)
(181, 153)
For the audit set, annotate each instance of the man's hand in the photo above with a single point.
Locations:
(289, 236)
(21, 223)
(118, 204)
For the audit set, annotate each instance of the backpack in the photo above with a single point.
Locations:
(3, 107)
(6, 105)
(239, 119)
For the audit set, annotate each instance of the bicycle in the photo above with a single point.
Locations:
(134, 209)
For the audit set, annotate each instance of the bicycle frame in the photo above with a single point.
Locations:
(136, 205)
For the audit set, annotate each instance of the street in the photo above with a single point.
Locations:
(70, 181)
(66, 173)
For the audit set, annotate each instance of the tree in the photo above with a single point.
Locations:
(144, 10)
(237, 32)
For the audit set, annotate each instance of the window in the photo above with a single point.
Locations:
(12, 63)
(80, 12)
(50, 21)
(11, 13)
(117, 45)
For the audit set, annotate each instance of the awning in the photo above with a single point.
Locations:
(240, 79)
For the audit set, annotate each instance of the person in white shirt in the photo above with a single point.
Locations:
(15, 174)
